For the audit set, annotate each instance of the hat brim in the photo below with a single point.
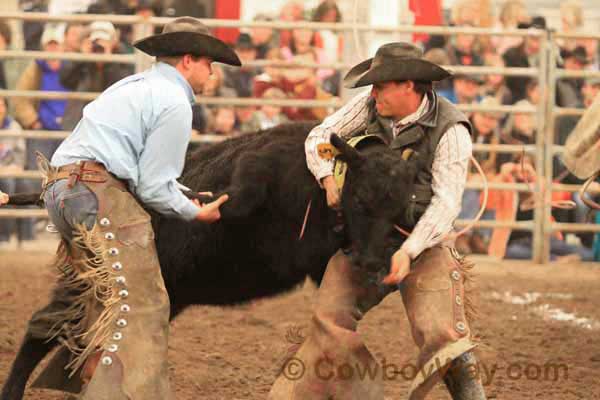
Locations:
(412, 69)
(178, 43)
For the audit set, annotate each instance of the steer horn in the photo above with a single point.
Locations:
(348, 153)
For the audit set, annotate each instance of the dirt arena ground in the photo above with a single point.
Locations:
(539, 328)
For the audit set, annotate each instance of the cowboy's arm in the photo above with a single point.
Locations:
(161, 163)
(344, 122)
(449, 171)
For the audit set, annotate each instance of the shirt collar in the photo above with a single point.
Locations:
(409, 119)
(175, 76)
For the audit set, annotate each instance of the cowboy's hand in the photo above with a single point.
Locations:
(3, 198)
(399, 268)
(210, 212)
(333, 193)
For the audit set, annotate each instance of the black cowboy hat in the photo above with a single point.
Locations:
(187, 35)
(537, 22)
(578, 53)
(394, 62)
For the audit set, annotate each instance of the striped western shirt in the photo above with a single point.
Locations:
(449, 167)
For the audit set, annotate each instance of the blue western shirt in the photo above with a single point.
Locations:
(139, 128)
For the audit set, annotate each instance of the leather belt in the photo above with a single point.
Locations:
(84, 171)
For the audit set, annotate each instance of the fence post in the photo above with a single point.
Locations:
(141, 30)
(546, 208)
(541, 245)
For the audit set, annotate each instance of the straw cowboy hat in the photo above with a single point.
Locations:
(394, 62)
(187, 35)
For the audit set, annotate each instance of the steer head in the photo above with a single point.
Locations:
(374, 199)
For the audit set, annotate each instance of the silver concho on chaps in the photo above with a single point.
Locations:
(114, 327)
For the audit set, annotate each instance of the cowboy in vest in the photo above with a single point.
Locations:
(406, 113)
(125, 154)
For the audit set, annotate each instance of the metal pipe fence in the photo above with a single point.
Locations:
(545, 113)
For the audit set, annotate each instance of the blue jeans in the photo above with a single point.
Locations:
(22, 226)
(68, 207)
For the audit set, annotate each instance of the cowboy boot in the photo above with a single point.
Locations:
(438, 310)
(461, 379)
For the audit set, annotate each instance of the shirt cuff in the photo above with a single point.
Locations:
(182, 187)
(189, 211)
(411, 248)
(322, 173)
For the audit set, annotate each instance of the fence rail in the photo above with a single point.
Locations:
(546, 113)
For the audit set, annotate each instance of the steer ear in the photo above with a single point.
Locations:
(348, 153)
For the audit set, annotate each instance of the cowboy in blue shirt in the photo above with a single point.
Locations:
(125, 153)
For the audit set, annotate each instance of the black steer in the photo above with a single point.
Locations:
(254, 250)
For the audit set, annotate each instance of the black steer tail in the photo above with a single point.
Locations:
(33, 199)
(24, 199)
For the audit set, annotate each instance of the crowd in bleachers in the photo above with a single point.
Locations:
(322, 47)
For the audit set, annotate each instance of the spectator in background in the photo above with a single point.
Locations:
(32, 30)
(568, 90)
(242, 79)
(519, 206)
(525, 55)
(532, 92)
(495, 84)
(485, 131)
(5, 37)
(440, 57)
(272, 76)
(592, 52)
(192, 8)
(214, 86)
(243, 118)
(12, 159)
(463, 13)
(302, 83)
(268, 116)
(330, 43)
(41, 75)
(590, 90)
(566, 123)
(462, 49)
(512, 13)
(73, 34)
(92, 76)
(263, 39)
(564, 126)
(44, 114)
(520, 129)
(292, 11)
(571, 18)
(465, 89)
(224, 122)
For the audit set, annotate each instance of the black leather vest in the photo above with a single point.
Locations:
(422, 137)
